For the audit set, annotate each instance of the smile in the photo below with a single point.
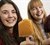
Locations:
(10, 21)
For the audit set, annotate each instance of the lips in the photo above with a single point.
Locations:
(38, 14)
(10, 21)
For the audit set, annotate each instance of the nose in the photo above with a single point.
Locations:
(10, 15)
(38, 9)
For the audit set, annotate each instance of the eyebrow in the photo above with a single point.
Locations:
(4, 10)
(13, 10)
(7, 10)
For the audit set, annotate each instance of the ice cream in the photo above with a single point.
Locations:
(25, 28)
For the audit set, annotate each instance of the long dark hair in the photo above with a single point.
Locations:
(2, 29)
(47, 24)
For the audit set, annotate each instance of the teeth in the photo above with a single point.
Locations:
(10, 21)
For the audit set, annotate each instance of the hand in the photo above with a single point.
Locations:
(28, 41)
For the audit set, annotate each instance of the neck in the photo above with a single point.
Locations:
(9, 30)
(38, 22)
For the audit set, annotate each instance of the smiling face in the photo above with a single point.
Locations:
(37, 13)
(37, 10)
(8, 15)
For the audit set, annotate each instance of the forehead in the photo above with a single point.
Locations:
(7, 6)
(36, 4)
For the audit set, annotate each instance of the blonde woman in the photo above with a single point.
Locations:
(37, 14)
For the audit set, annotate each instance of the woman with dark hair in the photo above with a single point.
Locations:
(47, 30)
(47, 26)
(9, 18)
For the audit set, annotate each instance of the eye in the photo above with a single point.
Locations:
(40, 7)
(34, 8)
(13, 11)
(4, 12)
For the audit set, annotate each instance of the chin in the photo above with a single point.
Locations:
(10, 25)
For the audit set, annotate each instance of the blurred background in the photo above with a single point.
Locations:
(22, 5)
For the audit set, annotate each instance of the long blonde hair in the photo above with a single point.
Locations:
(35, 3)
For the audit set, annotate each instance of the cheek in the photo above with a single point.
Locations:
(42, 10)
(34, 12)
(15, 16)
(3, 18)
